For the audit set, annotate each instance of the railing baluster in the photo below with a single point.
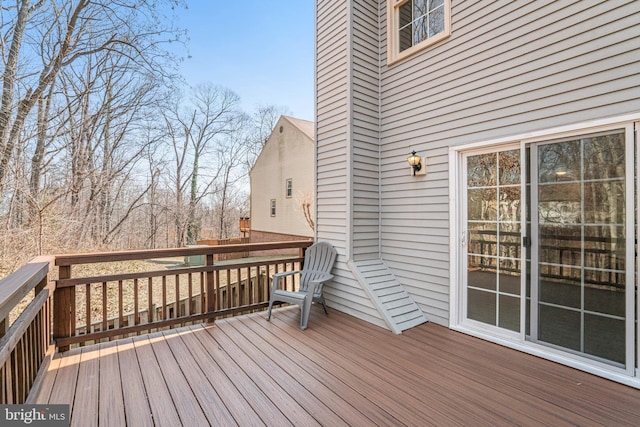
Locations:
(177, 303)
(3, 384)
(136, 311)
(241, 288)
(203, 307)
(150, 300)
(252, 296)
(9, 375)
(105, 313)
(164, 298)
(228, 289)
(87, 305)
(120, 305)
(187, 304)
(217, 299)
(19, 367)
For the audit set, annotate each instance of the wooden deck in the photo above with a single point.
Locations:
(340, 371)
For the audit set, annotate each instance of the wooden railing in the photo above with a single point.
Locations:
(103, 307)
(25, 344)
(91, 309)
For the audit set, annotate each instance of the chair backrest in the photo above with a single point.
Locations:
(318, 258)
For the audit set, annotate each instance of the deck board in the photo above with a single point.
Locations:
(43, 393)
(334, 394)
(210, 402)
(111, 411)
(289, 403)
(133, 388)
(64, 387)
(185, 402)
(163, 409)
(303, 387)
(340, 371)
(263, 406)
(378, 386)
(233, 400)
(87, 387)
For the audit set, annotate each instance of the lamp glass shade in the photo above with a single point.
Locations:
(413, 159)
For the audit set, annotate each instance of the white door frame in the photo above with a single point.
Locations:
(630, 375)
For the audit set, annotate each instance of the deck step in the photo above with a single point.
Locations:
(396, 305)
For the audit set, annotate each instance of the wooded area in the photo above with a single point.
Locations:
(102, 145)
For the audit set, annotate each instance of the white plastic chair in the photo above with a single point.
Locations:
(316, 271)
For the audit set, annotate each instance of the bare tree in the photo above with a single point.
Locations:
(262, 122)
(194, 130)
(229, 154)
(62, 33)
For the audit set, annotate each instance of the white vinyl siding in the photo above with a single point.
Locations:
(365, 132)
(334, 153)
(500, 74)
(508, 68)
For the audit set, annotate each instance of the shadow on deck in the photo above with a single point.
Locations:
(340, 371)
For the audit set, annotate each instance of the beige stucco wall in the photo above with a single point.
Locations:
(287, 154)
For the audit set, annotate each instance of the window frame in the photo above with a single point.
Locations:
(272, 207)
(393, 26)
(288, 188)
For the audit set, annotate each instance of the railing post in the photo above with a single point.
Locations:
(64, 313)
(211, 290)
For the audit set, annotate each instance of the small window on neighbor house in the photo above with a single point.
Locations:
(413, 25)
(289, 191)
(273, 207)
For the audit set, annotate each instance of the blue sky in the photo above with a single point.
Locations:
(262, 50)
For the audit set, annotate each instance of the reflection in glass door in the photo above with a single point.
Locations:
(493, 239)
(578, 258)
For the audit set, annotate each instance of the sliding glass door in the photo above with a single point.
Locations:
(573, 244)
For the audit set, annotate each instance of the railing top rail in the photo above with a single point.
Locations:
(18, 284)
(90, 258)
(63, 283)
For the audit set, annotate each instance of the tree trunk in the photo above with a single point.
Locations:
(192, 227)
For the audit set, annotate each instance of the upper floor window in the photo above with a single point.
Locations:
(413, 25)
(273, 207)
(289, 189)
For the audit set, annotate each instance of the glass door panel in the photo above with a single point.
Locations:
(578, 205)
(493, 239)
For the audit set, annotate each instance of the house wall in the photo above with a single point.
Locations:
(508, 68)
(286, 154)
(347, 174)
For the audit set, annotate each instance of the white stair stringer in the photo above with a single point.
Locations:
(394, 303)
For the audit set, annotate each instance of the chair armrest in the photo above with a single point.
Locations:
(285, 273)
(276, 278)
(325, 277)
(317, 282)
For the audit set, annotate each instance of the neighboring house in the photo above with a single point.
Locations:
(525, 115)
(282, 182)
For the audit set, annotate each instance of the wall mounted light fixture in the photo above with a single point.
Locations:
(416, 164)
